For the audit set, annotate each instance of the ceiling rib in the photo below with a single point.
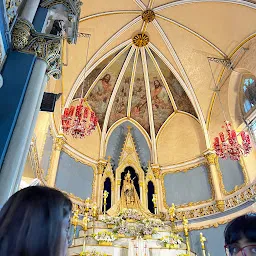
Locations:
(112, 38)
(132, 83)
(193, 33)
(112, 98)
(149, 104)
(140, 4)
(162, 78)
(190, 91)
(150, 4)
(105, 69)
(102, 14)
(182, 2)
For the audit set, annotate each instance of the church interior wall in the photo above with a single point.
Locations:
(190, 186)
(178, 143)
(74, 177)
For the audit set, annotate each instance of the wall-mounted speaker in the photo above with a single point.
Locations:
(48, 102)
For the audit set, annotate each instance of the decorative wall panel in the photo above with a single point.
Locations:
(74, 177)
(232, 174)
(186, 187)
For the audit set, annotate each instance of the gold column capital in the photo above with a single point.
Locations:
(156, 170)
(211, 158)
(58, 143)
(101, 166)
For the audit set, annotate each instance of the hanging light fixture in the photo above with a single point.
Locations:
(79, 121)
(227, 146)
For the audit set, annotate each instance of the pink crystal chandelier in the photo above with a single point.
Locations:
(229, 147)
(79, 121)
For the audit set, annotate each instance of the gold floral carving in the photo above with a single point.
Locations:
(58, 143)
(140, 40)
(221, 205)
(46, 47)
(148, 16)
(156, 171)
(211, 158)
(101, 166)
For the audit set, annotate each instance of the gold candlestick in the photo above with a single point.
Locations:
(185, 228)
(94, 215)
(105, 196)
(74, 221)
(202, 241)
(154, 200)
(172, 214)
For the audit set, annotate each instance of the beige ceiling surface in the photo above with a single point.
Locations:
(191, 32)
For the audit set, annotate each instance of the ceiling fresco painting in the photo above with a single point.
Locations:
(180, 97)
(119, 108)
(99, 97)
(93, 75)
(139, 108)
(161, 104)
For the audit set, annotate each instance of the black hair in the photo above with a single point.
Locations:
(243, 226)
(31, 222)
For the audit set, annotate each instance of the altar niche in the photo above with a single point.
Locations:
(151, 192)
(107, 187)
(134, 177)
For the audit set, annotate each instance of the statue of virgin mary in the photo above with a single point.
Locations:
(129, 199)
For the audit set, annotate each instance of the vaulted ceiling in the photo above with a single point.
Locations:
(168, 76)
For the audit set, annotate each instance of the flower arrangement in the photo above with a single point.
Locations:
(105, 237)
(130, 214)
(112, 220)
(121, 229)
(92, 253)
(173, 241)
(155, 223)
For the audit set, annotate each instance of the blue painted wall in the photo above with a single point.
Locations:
(185, 187)
(74, 177)
(45, 161)
(232, 173)
(116, 141)
(214, 244)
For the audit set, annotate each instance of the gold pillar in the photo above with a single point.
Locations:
(212, 162)
(157, 171)
(54, 160)
(99, 192)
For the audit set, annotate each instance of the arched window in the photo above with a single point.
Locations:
(248, 103)
(249, 94)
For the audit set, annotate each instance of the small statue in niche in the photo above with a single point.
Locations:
(58, 28)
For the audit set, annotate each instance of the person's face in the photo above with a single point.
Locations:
(65, 236)
(243, 247)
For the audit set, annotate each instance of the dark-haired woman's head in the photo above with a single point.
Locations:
(35, 221)
(240, 236)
